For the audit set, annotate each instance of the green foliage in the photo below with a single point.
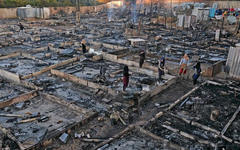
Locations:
(36, 3)
(89, 2)
(46, 3)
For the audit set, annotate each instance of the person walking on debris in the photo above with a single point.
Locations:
(125, 77)
(197, 72)
(102, 71)
(21, 28)
(142, 58)
(84, 49)
(161, 64)
(183, 65)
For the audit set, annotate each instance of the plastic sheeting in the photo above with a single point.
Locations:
(201, 14)
(29, 12)
(215, 5)
(180, 22)
(187, 22)
(212, 13)
(232, 19)
(199, 5)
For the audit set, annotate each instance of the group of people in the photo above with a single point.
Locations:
(183, 68)
(161, 69)
(161, 64)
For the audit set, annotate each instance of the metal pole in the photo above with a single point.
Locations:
(171, 14)
(151, 8)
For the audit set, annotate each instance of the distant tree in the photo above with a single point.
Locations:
(48, 3)
(52, 2)
(67, 3)
(1, 3)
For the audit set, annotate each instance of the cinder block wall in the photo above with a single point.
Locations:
(6, 13)
(67, 10)
(226, 4)
(92, 9)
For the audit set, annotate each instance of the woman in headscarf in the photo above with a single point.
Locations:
(183, 64)
(197, 72)
(161, 64)
(125, 77)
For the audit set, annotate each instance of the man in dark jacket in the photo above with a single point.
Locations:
(125, 77)
(161, 65)
(84, 48)
(197, 73)
(142, 58)
(21, 28)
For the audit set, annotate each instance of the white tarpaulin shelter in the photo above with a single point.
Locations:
(180, 21)
(30, 12)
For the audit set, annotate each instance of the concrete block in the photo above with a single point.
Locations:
(20, 105)
(9, 76)
(48, 55)
(106, 100)
(64, 138)
(217, 35)
(97, 57)
(137, 41)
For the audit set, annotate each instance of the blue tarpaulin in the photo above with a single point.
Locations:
(212, 12)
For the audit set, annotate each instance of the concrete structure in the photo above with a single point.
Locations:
(226, 4)
(217, 35)
(46, 12)
(6, 13)
(66, 10)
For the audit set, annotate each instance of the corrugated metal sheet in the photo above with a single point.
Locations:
(233, 62)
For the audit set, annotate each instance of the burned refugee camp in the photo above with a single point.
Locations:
(119, 75)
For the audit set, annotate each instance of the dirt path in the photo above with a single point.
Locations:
(169, 95)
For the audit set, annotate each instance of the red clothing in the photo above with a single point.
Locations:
(232, 9)
(182, 70)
